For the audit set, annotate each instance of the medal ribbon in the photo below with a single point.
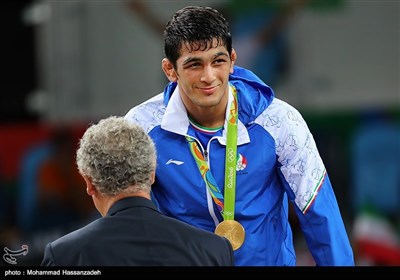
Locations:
(231, 160)
(206, 174)
(225, 206)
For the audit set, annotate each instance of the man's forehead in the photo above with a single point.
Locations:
(201, 45)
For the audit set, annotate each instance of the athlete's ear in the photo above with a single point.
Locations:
(169, 70)
(233, 60)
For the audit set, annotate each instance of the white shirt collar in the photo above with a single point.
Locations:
(176, 120)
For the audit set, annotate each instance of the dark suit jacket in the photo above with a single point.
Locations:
(135, 233)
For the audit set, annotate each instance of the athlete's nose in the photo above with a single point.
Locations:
(208, 75)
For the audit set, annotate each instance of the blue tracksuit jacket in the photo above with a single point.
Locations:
(278, 161)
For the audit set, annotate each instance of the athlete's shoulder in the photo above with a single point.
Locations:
(149, 113)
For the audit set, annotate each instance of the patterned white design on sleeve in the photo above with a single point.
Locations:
(302, 165)
(148, 114)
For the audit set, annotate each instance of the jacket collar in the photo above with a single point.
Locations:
(129, 202)
(176, 120)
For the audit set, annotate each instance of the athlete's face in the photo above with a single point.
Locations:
(202, 76)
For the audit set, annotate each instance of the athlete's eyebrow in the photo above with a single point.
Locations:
(191, 59)
(221, 54)
(197, 59)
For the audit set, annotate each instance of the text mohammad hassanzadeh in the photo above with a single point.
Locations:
(63, 272)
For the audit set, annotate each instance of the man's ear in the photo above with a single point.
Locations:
(152, 177)
(169, 70)
(233, 60)
(90, 188)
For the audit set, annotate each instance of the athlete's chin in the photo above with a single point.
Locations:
(209, 102)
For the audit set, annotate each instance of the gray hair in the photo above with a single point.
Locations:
(118, 156)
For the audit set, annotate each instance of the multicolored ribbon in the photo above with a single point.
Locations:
(206, 174)
(230, 164)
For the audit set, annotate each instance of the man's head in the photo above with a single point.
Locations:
(196, 28)
(117, 157)
(200, 58)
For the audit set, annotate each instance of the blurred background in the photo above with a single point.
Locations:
(69, 63)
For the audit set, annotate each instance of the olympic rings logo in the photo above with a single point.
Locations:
(230, 155)
(228, 213)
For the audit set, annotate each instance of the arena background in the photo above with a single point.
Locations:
(69, 63)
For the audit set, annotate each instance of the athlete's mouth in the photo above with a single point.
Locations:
(208, 90)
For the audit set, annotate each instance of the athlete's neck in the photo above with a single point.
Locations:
(210, 117)
(208, 121)
(202, 128)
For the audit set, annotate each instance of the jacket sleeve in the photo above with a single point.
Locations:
(324, 230)
(308, 186)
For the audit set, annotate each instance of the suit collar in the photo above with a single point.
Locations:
(129, 202)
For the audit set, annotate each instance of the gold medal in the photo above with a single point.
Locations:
(233, 231)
